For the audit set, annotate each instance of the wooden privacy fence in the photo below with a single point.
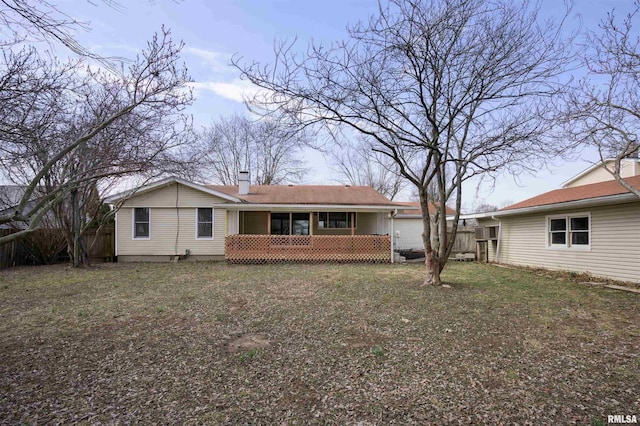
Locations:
(465, 241)
(12, 253)
(103, 249)
(38, 247)
(307, 248)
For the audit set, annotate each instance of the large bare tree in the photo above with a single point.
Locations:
(604, 108)
(67, 131)
(270, 152)
(447, 89)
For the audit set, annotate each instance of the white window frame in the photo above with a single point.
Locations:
(133, 223)
(212, 223)
(355, 218)
(567, 246)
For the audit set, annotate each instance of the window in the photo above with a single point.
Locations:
(300, 223)
(289, 223)
(204, 223)
(571, 231)
(279, 223)
(141, 223)
(335, 220)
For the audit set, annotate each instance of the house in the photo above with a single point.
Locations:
(590, 225)
(408, 226)
(174, 218)
(10, 198)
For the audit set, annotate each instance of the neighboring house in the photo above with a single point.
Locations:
(597, 173)
(10, 197)
(408, 225)
(592, 228)
(175, 217)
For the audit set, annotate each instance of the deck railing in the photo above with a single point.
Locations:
(307, 248)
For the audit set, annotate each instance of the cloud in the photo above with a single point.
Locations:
(216, 61)
(235, 90)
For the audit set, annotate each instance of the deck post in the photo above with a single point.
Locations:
(269, 223)
(353, 231)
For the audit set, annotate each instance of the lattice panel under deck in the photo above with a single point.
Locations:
(304, 248)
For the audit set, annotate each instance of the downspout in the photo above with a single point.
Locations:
(115, 231)
(497, 260)
(392, 215)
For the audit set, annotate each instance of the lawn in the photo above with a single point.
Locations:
(290, 344)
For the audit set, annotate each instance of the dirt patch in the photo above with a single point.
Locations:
(248, 342)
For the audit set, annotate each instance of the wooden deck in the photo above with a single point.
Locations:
(307, 248)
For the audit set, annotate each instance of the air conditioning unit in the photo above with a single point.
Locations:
(485, 233)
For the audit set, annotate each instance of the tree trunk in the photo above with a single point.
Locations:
(431, 260)
(75, 226)
(432, 270)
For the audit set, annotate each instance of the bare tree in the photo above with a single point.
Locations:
(359, 164)
(271, 152)
(604, 108)
(65, 130)
(438, 85)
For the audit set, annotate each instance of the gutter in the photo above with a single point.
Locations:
(301, 207)
(606, 200)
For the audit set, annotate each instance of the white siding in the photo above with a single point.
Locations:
(614, 250)
(408, 233)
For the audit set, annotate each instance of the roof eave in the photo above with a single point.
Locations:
(589, 202)
(307, 207)
(168, 181)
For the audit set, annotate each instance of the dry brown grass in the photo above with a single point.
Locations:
(348, 344)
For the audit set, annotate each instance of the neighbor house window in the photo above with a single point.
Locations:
(335, 220)
(204, 226)
(569, 231)
(141, 222)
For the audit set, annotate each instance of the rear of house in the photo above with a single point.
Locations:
(176, 218)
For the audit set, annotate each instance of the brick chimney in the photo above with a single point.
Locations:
(243, 183)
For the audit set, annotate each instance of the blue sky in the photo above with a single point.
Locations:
(215, 30)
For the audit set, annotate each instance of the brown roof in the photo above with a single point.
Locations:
(449, 210)
(576, 193)
(308, 194)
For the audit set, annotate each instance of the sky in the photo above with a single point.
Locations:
(214, 31)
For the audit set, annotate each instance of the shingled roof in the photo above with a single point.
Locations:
(308, 194)
(576, 193)
(418, 212)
